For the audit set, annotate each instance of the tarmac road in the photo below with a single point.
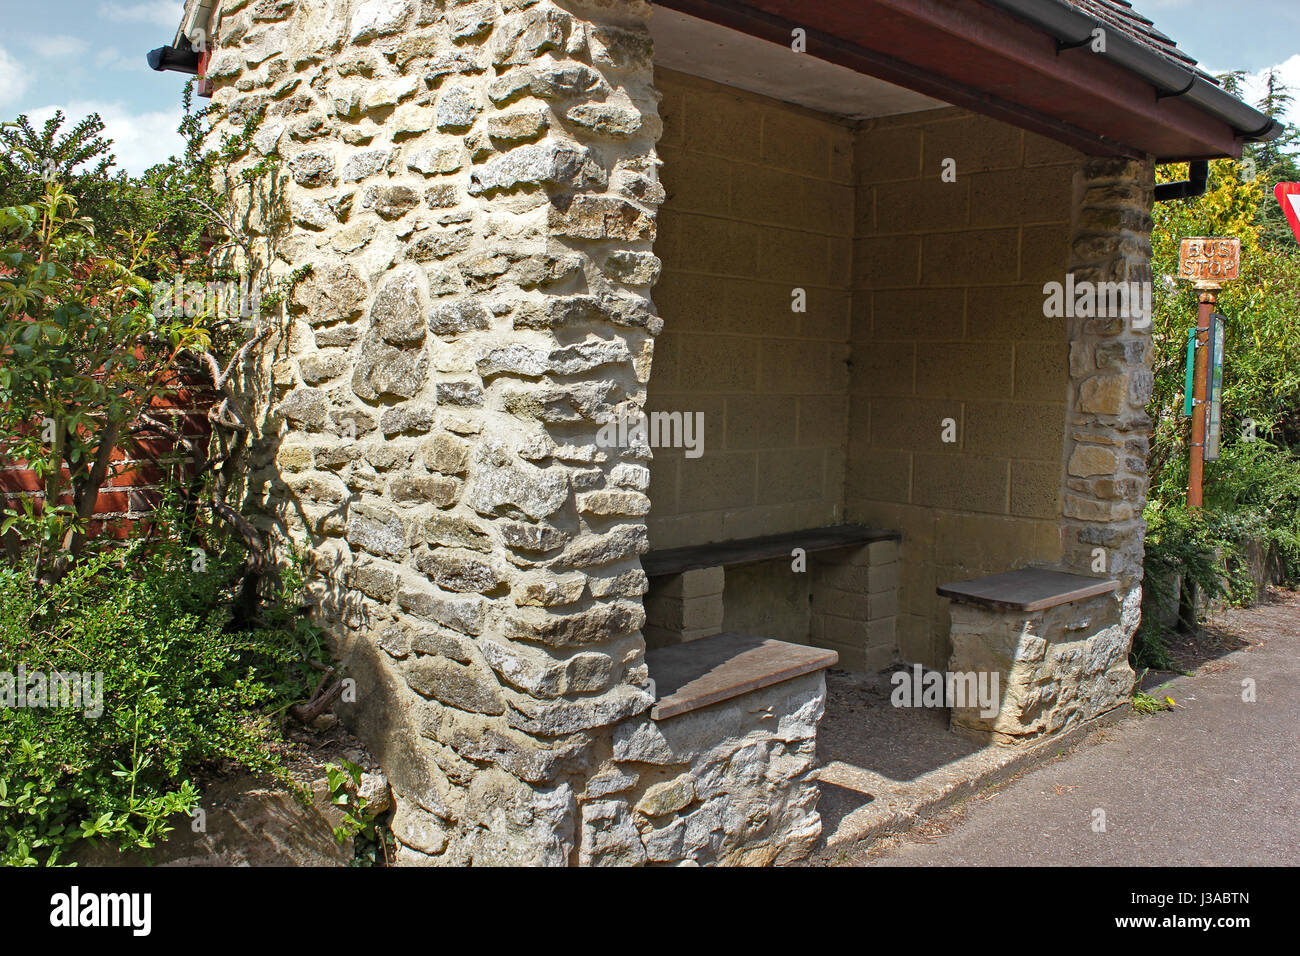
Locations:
(1216, 781)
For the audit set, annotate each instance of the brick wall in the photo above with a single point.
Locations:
(760, 202)
(948, 324)
(138, 473)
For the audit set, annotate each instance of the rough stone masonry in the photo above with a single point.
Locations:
(474, 185)
(1108, 429)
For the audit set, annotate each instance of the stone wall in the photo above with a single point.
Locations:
(759, 203)
(728, 784)
(948, 324)
(1055, 667)
(474, 185)
(1108, 430)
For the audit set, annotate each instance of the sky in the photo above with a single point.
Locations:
(88, 56)
(84, 56)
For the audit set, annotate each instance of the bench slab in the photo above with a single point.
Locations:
(717, 668)
(1028, 589)
(747, 550)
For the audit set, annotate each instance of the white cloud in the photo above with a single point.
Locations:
(1289, 72)
(1253, 87)
(165, 13)
(13, 78)
(58, 45)
(139, 139)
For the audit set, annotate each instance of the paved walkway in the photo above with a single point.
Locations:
(1215, 781)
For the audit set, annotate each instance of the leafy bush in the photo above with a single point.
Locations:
(86, 360)
(166, 201)
(1252, 494)
(80, 159)
(182, 688)
(199, 652)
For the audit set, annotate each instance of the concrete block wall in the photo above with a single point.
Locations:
(684, 607)
(944, 284)
(759, 203)
(948, 324)
(855, 605)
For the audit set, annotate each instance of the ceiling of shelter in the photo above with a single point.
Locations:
(690, 45)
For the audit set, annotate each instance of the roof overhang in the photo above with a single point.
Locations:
(980, 57)
(690, 45)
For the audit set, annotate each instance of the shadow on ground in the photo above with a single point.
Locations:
(863, 741)
(1227, 631)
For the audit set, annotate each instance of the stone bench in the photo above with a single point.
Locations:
(1054, 641)
(731, 740)
(669, 561)
(853, 595)
(708, 671)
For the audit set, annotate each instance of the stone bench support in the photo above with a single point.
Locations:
(855, 604)
(685, 607)
(719, 771)
(1055, 642)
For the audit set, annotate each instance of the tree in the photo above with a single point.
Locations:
(1275, 162)
(85, 362)
(1232, 81)
(80, 159)
(187, 225)
(167, 200)
(1251, 493)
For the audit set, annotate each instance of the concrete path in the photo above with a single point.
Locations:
(1215, 781)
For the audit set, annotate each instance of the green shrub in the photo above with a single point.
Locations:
(1181, 549)
(1251, 495)
(200, 653)
(183, 688)
(84, 364)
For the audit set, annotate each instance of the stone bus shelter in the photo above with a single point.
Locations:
(810, 241)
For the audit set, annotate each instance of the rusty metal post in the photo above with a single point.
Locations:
(1200, 402)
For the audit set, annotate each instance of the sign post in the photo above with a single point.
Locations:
(1208, 262)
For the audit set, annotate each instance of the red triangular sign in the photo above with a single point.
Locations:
(1288, 197)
